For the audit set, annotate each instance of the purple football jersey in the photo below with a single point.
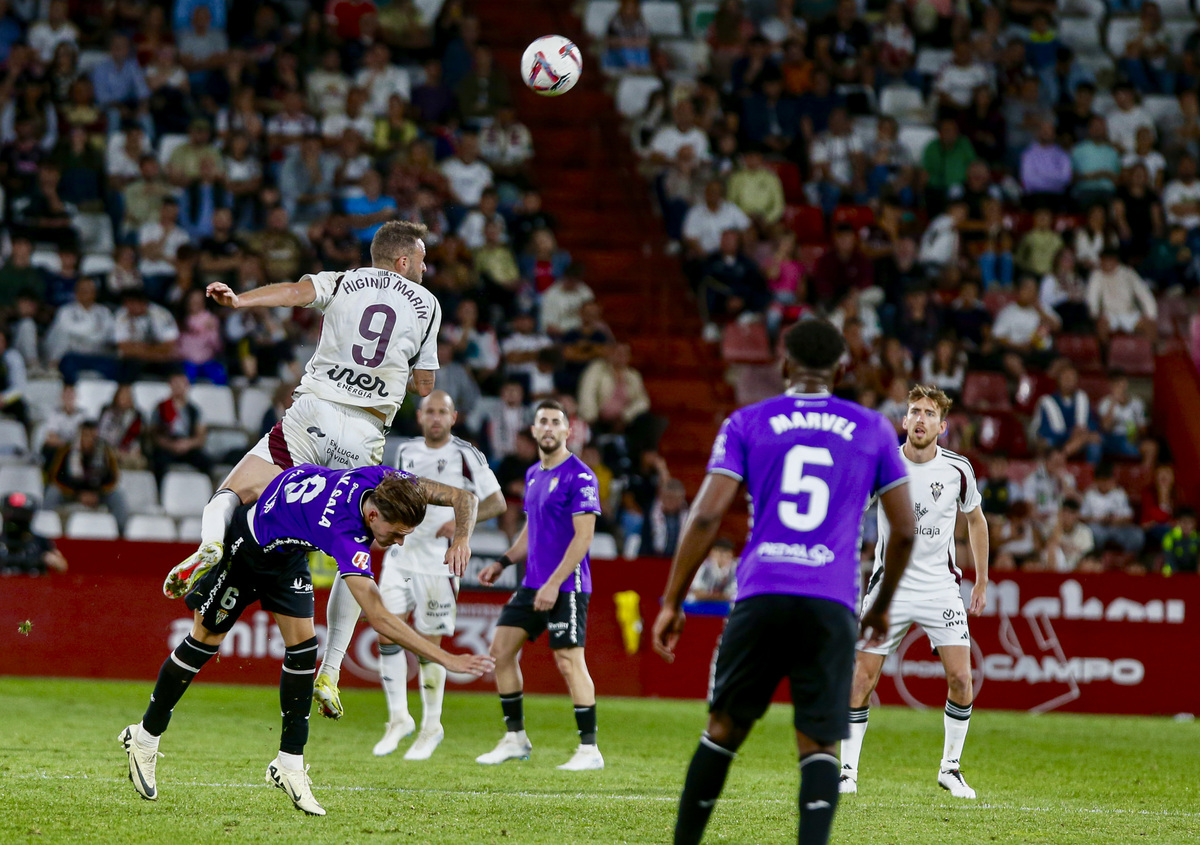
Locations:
(552, 498)
(810, 463)
(314, 507)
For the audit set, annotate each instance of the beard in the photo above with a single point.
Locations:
(554, 445)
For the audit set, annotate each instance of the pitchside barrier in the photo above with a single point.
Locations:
(1081, 643)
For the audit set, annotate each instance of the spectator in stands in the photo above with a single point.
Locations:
(13, 381)
(956, 82)
(613, 399)
(844, 266)
(497, 268)
(716, 580)
(1138, 215)
(1045, 169)
(371, 209)
(520, 349)
(467, 173)
(23, 326)
(22, 552)
(18, 273)
(43, 215)
(471, 228)
(483, 91)
(505, 420)
(281, 251)
(382, 79)
(122, 428)
(998, 491)
(159, 243)
(1106, 510)
(727, 35)
(770, 118)
(200, 200)
(941, 243)
(289, 125)
(1064, 420)
(124, 154)
(1048, 486)
(220, 253)
(203, 49)
(81, 336)
(1123, 421)
(560, 303)
(1118, 300)
(944, 162)
(475, 344)
(199, 345)
(1125, 120)
(1181, 545)
(1064, 292)
(1158, 505)
(757, 190)
(146, 335)
(352, 118)
(56, 28)
(1096, 164)
(60, 283)
(627, 40)
(120, 86)
(1147, 53)
(585, 344)
(683, 131)
(456, 380)
(507, 146)
(143, 198)
(1040, 245)
(1181, 197)
(706, 221)
(1016, 539)
(1092, 238)
(510, 472)
(945, 366)
(306, 182)
(1023, 326)
(664, 523)
(178, 431)
(544, 263)
(86, 472)
(837, 162)
(183, 166)
(1070, 544)
(731, 285)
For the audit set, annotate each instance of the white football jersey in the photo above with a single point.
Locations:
(939, 488)
(378, 327)
(458, 464)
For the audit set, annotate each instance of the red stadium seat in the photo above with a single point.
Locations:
(858, 216)
(1002, 434)
(808, 222)
(1018, 471)
(1031, 388)
(1082, 350)
(810, 254)
(1134, 478)
(1132, 355)
(789, 175)
(1095, 385)
(995, 300)
(746, 343)
(1084, 474)
(986, 392)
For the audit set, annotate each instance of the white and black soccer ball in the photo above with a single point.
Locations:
(551, 65)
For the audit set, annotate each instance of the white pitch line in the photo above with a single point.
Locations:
(559, 796)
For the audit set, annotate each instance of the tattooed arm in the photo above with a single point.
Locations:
(465, 506)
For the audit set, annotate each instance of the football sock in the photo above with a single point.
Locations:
(217, 515)
(393, 671)
(513, 705)
(295, 762)
(296, 693)
(341, 614)
(585, 720)
(818, 797)
(173, 679)
(957, 720)
(703, 785)
(852, 747)
(433, 690)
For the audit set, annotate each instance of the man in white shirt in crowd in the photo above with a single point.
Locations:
(502, 421)
(940, 243)
(382, 79)
(562, 300)
(666, 143)
(706, 221)
(506, 144)
(55, 29)
(145, 334)
(123, 156)
(327, 85)
(1023, 326)
(1125, 120)
(62, 425)
(471, 230)
(716, 580)
(1119, 300)
(521, 348)
(837, 159)
(1122, 420)
(1106, 510)
(955, 83)
(1070, 545)
(81, 336)
(160, 242)
(467, 173)
(353, 115)
(1181, 197)
(1048, 486)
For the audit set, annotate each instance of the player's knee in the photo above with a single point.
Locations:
(726, 733)
(960, 685)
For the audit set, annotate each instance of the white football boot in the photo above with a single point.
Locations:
(952, 781)
(425, 744)
(392, 735)
(195, 566)
(298, 786)
(514, 746)
(141, 762)
(585, 758)
(848, 782)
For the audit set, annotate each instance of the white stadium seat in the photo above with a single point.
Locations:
(141, 491)
(92, 395)
(43, 395)
(253, 405)
(597, 15)
(915, 139)
(222, 441)
(604, 547)
(14, 440)
(88, 59)
(44, 259)
(930, 61)
(16, 478)
(95, 232)
(1118, 33)
(901, 102)
(1103, 103)
(185, 493)
(167, 144)
(92, 525)
(1162, 107)
(147, 395)
(1094, 10)
(1081, 34)
(189, 530)
(489, 542)
(154, 528)
(633, 93)
(663, 18)
(688, 56)
(1175, 10)
(47, 524)
(215, 402)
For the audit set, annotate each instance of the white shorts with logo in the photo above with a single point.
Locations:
(432, 599)
(316, 431)
(942, 616)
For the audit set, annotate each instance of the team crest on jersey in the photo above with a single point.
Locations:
(441, 465)
(936, 489)
(553, 484)
(362, 560)
(919, 510)
(221, 616)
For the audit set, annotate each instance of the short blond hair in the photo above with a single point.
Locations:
(934, 394)
(394, 239)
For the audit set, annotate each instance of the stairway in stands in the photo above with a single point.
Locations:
(588, 176)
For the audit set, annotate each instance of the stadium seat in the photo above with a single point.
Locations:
(15, 478)
(184, 493)
(1133, 478)
(1118, 34)
(902, 102)
(141, 491)
(47, 524)
(688, 56)
(92, 525)
(700, 16)
(215, 402)
(1162, 107)
(807, 221)
(14, 440)
(97, 264)
(930, 61)
(915, 139)
(1094, 10)
(1083, 473)
(1177, 12)
(604, 547)
(597, 15)
(148, 395)
(223, 443)
(1174, 312)
(1082, 350)
(633, 93)
(995, 300)
(167, 144)
(858, 216)
(1097, 64)
(253, 404)
(1018, 471)
(1132, 355)
(43, 395)
(92, 395)
(154, 528)
(1030, 388)
(755, 382)
(789, 176)
(984, 391)
(88, 59)
(663, 18)
(189, 530)
(1081, 34)
(489, 542)
(95, 232)
(44, 259)
(746, 343)
(1095, 385)
(1002, 434)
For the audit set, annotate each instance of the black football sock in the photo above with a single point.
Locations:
(703, 785)
(513, 705)
(176, 674)
(296, 693)
(819, 775)
(585, 720)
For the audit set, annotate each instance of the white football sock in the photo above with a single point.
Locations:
(295, 762)
(341, 614)
(433, 690)
(393, 669)
(147, 740)
(957, 720)
(852, 747)
(217, 515)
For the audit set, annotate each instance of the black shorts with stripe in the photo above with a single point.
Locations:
(566, 621)
(807, 640)
(279, 580)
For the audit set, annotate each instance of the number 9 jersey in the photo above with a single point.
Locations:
(810, 462)
(378, 327)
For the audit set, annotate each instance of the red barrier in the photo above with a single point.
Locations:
(1100, 643)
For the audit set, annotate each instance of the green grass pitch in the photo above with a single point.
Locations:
(1041, 779)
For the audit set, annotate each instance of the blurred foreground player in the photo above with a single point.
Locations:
(810, 462)
(307, 507)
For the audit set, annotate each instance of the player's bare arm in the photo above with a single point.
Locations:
(283, 294)
(516, 554)
(494, 505)
(421, 382)
(704, 521)
(585, 530)
(465, 507)
(897, 507)
(977, 535)
(367, 594)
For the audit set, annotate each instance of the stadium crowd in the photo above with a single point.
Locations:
(978, 194)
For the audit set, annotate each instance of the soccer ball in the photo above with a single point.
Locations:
(551, 65)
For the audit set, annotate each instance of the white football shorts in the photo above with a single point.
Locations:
(316, 431)
(432, 599)
(942, 616)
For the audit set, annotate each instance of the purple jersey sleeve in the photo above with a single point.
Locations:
(729, 449)
(890, 470)
(352, 558)
(585, 497)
